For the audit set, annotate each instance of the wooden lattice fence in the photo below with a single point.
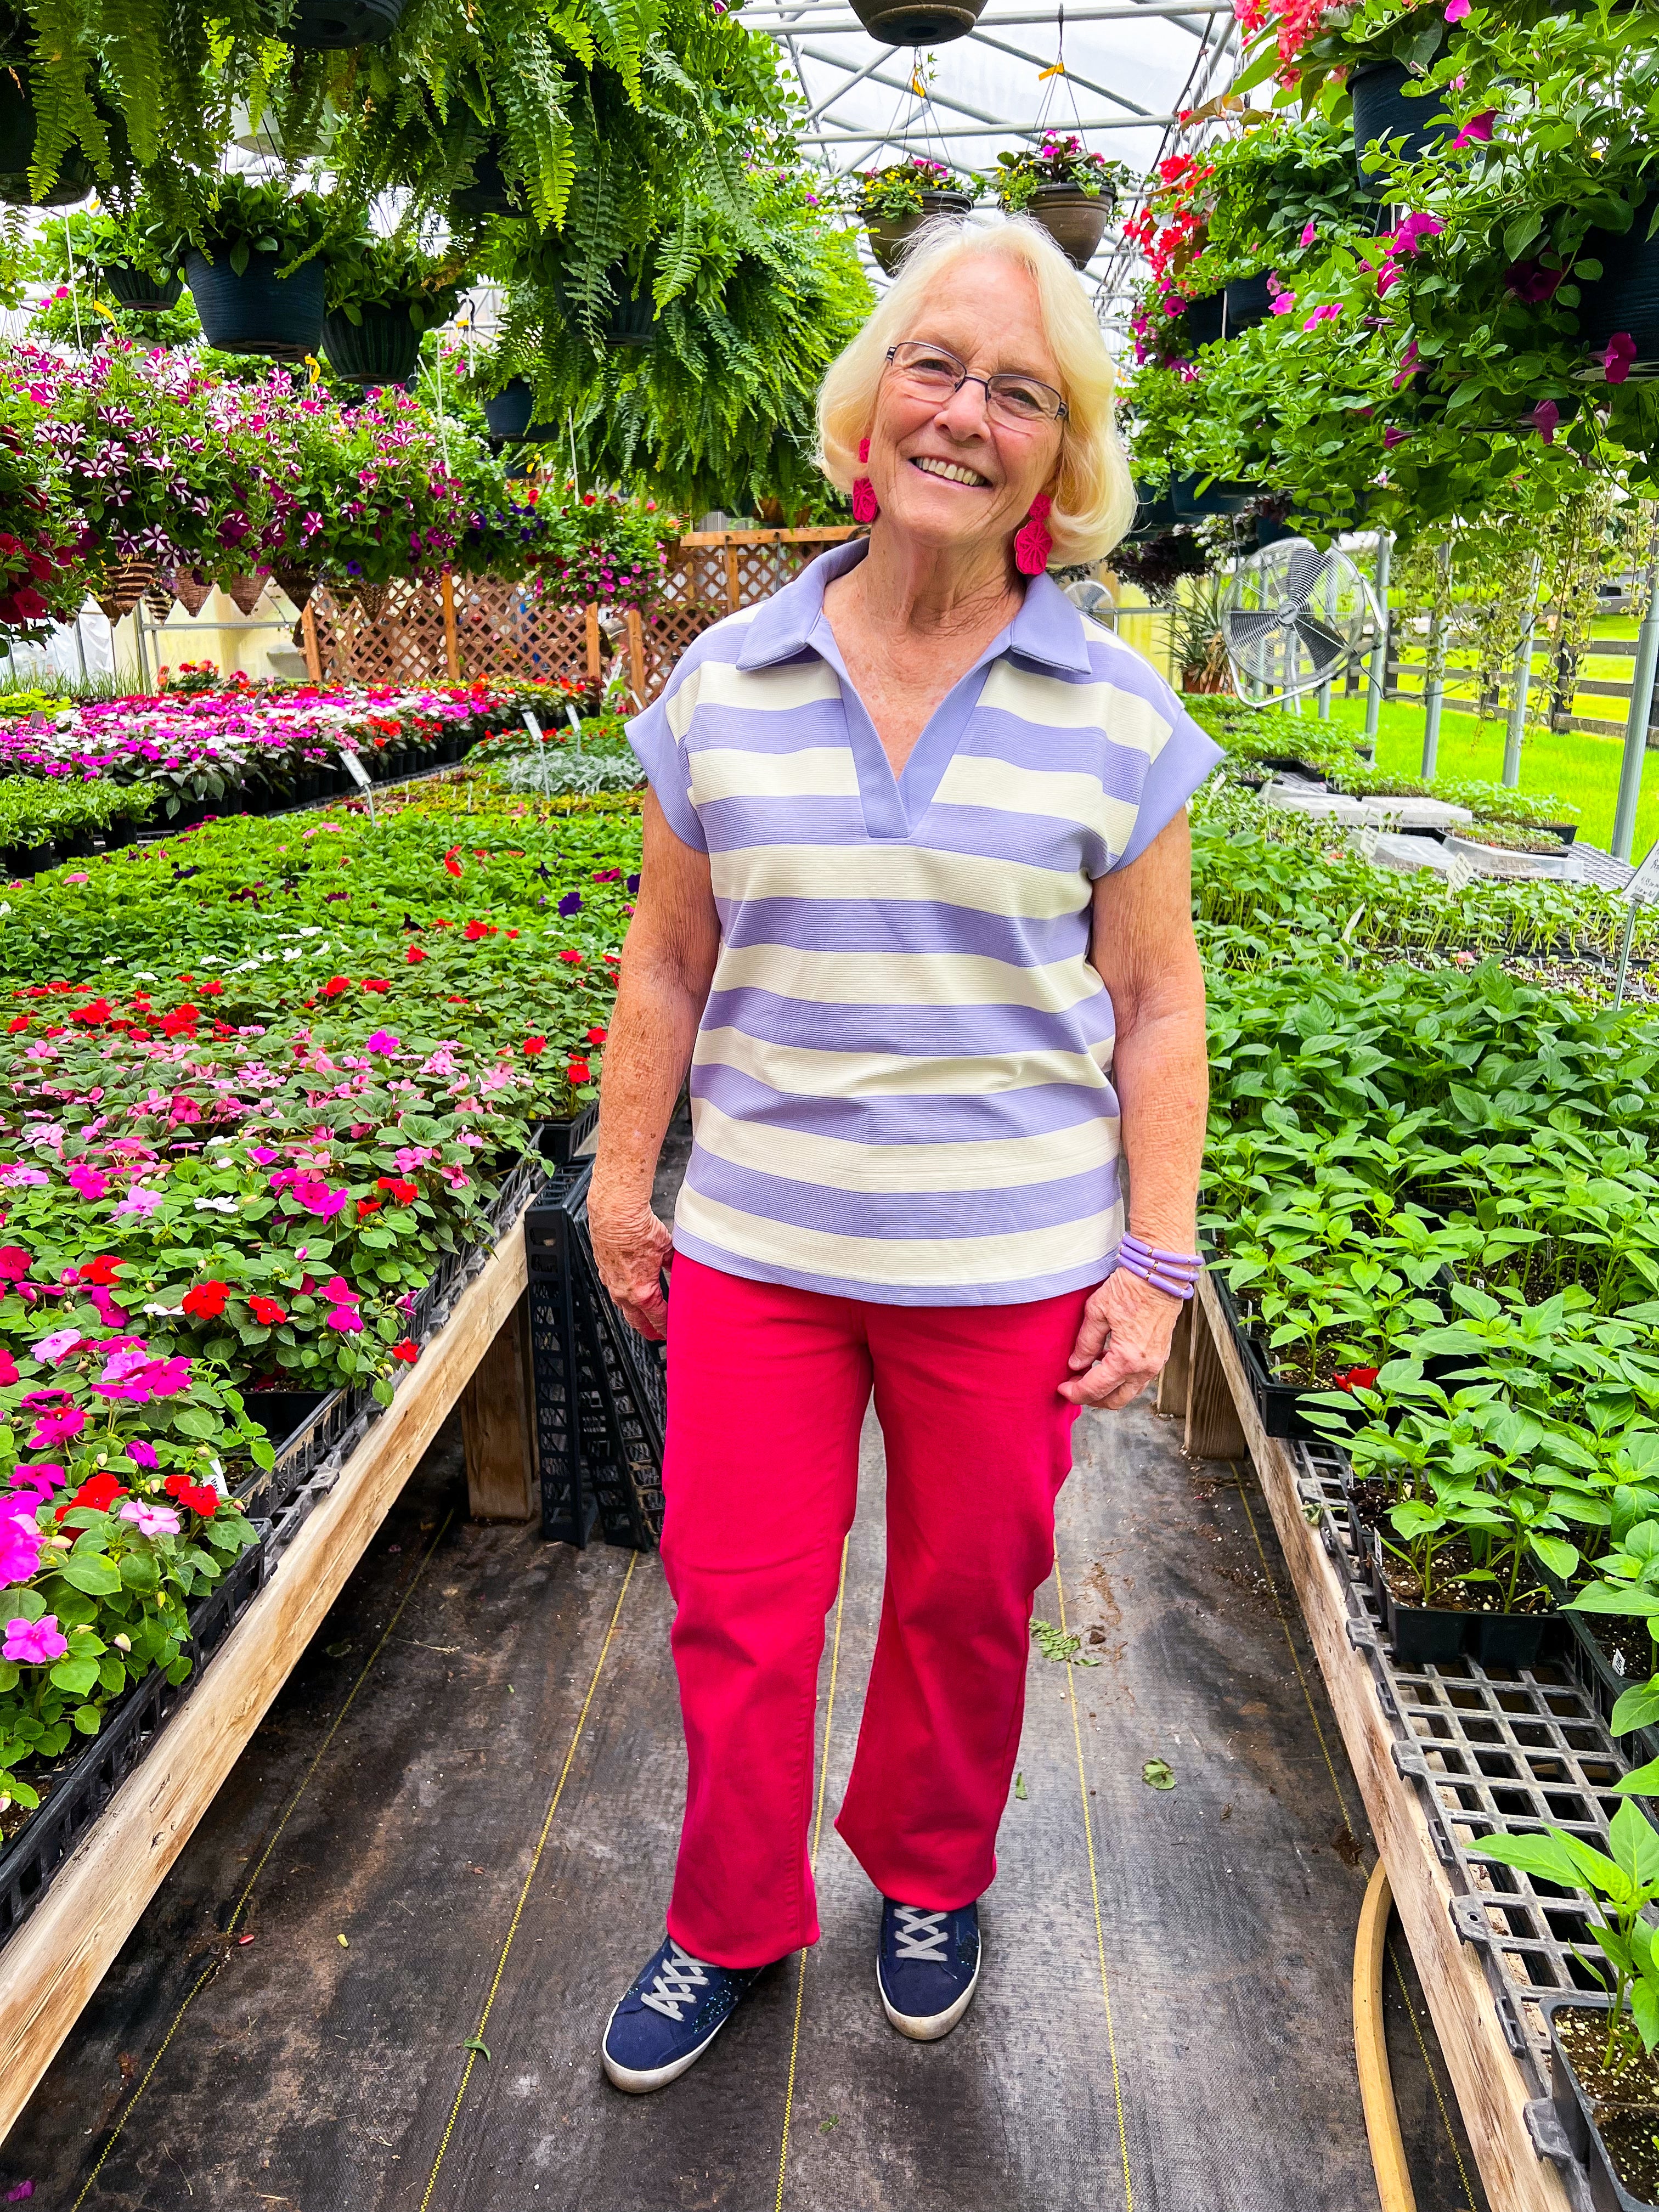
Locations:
(450, 631)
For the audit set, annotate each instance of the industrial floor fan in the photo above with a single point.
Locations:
(1293, 619)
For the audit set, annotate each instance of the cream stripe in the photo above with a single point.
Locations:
(1001, 1164)
(891, 869)
(914, 1262)
(906, 979)
(818, 772)
(975, 780)
(782, 689)
(1125, 717)
(805, 1073)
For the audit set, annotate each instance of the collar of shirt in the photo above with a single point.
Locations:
(1048, 629)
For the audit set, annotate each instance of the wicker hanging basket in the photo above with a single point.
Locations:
(372, 598)
(159, 600)
(245, 591)
(124, 584)
(192, 591)
(297, 581)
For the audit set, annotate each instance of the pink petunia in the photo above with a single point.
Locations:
(1617, 360)
(1411, 231)
(1391, 437)
(1456, 9)
(1545, 417)
(1477, 132)
(1283, 303)
(1309, 232)
(1327, 313)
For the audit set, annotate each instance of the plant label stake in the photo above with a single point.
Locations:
(575, 720)
(535, 730)
(359, 774)
(1643, 887)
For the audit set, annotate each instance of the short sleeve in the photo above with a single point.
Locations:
(661, 753)
(1182, 762)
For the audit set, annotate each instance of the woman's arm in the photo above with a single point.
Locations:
(1144, 952)
(667, 964)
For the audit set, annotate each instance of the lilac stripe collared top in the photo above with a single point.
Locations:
(902, 1085)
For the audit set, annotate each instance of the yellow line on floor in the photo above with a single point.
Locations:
(524, 1892)
(1313, 1715)
(1094, 1891)
(817, 1831)
(214, 1965)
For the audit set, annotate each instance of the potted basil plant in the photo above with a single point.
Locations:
(894, 203)
(259, 285)
(383, 294)
(1060, 185)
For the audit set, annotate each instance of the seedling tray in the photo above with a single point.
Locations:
(1436, 1635)
(559, 1142)
(1277, 1404)
(84, 1786)
(1576, 2111)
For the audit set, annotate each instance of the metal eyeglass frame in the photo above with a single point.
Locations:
(1062, 410)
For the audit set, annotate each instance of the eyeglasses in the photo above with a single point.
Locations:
(1011, 397)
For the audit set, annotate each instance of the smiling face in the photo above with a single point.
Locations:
(947, 473)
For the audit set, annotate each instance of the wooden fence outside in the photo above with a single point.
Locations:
(454, 629)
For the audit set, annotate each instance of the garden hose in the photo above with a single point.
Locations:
(1393, 2181)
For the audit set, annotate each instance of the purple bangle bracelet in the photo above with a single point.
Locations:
(1176, 1287)
(1185, 1263)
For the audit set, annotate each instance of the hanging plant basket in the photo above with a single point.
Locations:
(159, 600)
(1218, 497)
(1625, 298)
(372, 598)
(1204, 320)
(192, 591)
(509, 411)
(633, 319)
(136, 289)
(489, 192)
(125, 583)
(1381, 110)
(244, 592)
(76, 174)
(296, 579)
(328, 26)
(891, 234)
(383, 348)
(1075, 220)
(259, 312)
(918, 23)
(1245, 302)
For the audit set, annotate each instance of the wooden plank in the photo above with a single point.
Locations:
(595, 663)
(1491, 2089)
(451, 643)
(496, 1426)
(57, 1958)
(734, 579)
(1173, 1381)
(636, 656)
(836, 535)
(314, 655)
(1212, 1424)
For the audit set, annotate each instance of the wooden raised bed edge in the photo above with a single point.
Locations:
(1491, 2092)
(57, 1958)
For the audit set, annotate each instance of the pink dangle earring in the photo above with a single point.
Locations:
(1033, 545)
(865, 508)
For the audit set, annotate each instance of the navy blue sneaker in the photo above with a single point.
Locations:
(674, 2011)
(927, 1967)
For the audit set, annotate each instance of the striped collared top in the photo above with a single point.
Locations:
(902, 1085)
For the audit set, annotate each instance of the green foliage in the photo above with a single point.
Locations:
(899, 189)
(365, 271)
(1060, 159)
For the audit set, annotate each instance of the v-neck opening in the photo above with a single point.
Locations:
(895, 806)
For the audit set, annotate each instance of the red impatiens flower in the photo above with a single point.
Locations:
(598, 1037)
(199, 1496)
(404, 1193)
(1355, 1378)
(212, 990)
(335, 985)
(368, 1206)
(97, 1493)
(575, 958)
(101, 1271)
(578, 1072)
(452, 865)
(408, 1352)
(414, 954)
(375, 983)
(17, 1021)
(206, 1301)
(267, 1311)
(181, 1019)
(534, 1045)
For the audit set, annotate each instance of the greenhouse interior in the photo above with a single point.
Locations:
(1182, 482)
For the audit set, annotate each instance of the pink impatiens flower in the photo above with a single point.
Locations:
(139, 1200)
(1456, 9)
(91, 1183)
(142, 1454)
(35, 1643)
(20, 1549)
(58, 1345)
(383, 1041)
(57, 1428)
(150, 1520)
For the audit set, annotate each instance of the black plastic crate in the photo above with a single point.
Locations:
(82, 1787)
(560, 1141)
(600, 1390)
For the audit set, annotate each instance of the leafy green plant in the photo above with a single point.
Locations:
(1061, 158)
(900, 188)
(366, 271)
(245, 216)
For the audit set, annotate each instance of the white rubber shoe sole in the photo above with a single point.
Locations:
(930, 2027)
(638, 2082)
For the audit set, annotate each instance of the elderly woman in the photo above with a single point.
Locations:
(915, 911)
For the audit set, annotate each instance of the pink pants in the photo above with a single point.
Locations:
(767, 1389)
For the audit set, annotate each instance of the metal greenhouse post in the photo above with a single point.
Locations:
(1379, 668)
(1434, 673)
(1636, 729)
(1519, 683)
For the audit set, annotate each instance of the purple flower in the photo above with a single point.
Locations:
(571, 903)
(35, 1642)
(1544, 417)
(150, 1520)
(1620, 353)
(142, 1454)
(1391, 437)
(1531, 282)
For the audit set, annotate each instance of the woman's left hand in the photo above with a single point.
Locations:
(1123, 1344)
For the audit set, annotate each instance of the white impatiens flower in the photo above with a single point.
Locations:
(217, 1205)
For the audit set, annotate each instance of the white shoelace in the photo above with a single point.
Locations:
(921, 1934)
(679, 1978)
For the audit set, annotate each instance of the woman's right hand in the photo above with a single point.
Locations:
(631, 1248)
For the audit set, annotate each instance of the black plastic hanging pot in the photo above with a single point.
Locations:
(489, 192)
(891, 234)
(633, 317)
(1381, 110)
(383, 348)
(1625, 299)
(1245, 302)
(918, 23)
(509, 411)
(326, 26)
(258, 312)
(1075, 220)
(76, 174)
(137, 289)
(1203, 319)
(1218, 497)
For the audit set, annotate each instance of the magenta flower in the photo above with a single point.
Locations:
(1414, 229)
(1327, 313)
(348, 1321)
(1283, 303)
(1391, 437)
(20, 1549)
(1456, 9)
(91, 1183)
(43, 1478)
(142, 1454)
(150, 1520)
(383, 1041)
(1544, 417)
(57, 1428)
(35, 1642)
(1531, 282)
(1310, 231)
(1477, 132)
(139, 1200)
(262, 1155)
(1617, 360)
(1409, 365)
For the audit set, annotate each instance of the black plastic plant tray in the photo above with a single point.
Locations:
(1277, 1404)
(1437, 1634)
(1594, 1668)
(84, 1786)
(1577, 2113)
(600, 1391)
(559, 1142)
